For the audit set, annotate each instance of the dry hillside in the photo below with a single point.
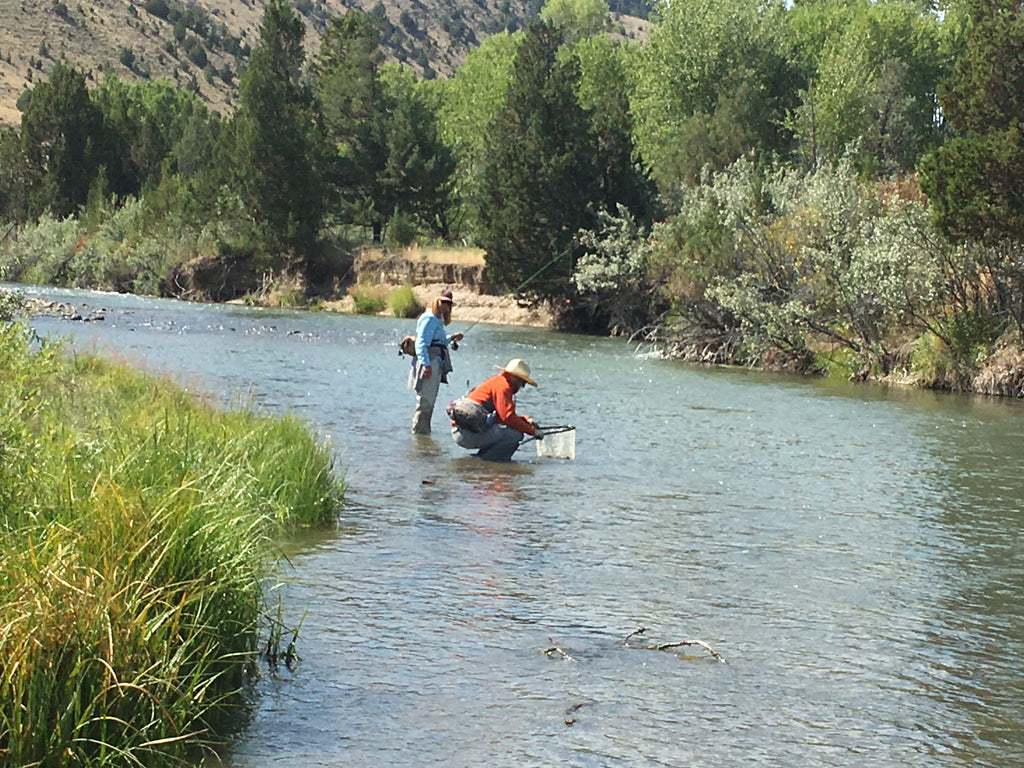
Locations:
(203, 44)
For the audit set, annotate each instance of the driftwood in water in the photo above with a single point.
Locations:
(669, 646)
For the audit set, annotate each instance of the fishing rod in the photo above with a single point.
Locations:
(517, 289)
(455, 345)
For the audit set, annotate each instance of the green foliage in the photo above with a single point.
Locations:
(62, 136)
(158, 8)
(368, 299)
(346, 74)
(613, 277)
(124, 251)
(466, 104)
(13, 174)
(416, 176)
(538, 178)
(401, 229)
(942, 365)
(271, 145)
(836, 362)
(119, 488)
(387, 154)
(41, 253)
(10, 305)
(872, 71)
(577, 19)
(800, 260)
(713, 84)
(402, 302)
(974, 179)
(604, 91)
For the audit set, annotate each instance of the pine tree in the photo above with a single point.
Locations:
(61, 133)
(387, 156)
(974, 180)
(347, 82)
(273, 141)
(538, 176)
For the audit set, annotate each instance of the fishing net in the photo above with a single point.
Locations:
(558, 443)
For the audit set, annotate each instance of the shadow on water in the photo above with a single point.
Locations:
(852, 551)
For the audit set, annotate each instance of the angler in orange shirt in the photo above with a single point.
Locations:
(485, 418)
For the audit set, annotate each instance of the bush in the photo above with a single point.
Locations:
(612, 275)
(10, 305)
(401, 230)
(790, 260)
(402, 302)
(368, 300)
(118, 249)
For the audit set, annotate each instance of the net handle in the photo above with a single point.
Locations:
(551, 431)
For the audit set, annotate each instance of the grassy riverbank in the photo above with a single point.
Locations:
(136, 535)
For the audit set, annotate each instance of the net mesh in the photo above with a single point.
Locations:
(558, 445)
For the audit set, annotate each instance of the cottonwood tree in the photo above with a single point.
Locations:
(872, 71)
(577, 19)
(156, 125)
(713, 84)
(465, 105)
(604, 91)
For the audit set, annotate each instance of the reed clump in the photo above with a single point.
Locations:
(137, 530)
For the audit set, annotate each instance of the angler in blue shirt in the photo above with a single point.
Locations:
(432, 363)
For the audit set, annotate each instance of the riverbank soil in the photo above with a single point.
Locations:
(431, 270)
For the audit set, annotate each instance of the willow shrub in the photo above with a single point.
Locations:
(797, 264)
(125, 248)
(136, 536)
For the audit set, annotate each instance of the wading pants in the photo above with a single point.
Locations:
(498, 443)
(426, 395)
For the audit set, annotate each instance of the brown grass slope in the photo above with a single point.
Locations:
(122, 36)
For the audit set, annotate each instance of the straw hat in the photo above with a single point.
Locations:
(518, 368)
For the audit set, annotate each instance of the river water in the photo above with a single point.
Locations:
(853, 553)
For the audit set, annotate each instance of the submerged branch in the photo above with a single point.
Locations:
(556, 651)
(669, 646)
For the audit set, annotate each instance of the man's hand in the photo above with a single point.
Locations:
(426, 371)
(457, 336)
(538, 433)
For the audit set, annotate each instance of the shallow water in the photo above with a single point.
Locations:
(853, 553)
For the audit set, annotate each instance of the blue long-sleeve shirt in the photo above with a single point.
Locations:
(429, 330)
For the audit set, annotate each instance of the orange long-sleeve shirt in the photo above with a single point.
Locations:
(495, 394)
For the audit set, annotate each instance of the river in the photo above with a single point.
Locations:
(853, 553)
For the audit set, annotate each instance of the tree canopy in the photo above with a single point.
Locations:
(539, 178)
(974, 180)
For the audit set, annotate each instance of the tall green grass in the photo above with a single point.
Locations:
(137, 530)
